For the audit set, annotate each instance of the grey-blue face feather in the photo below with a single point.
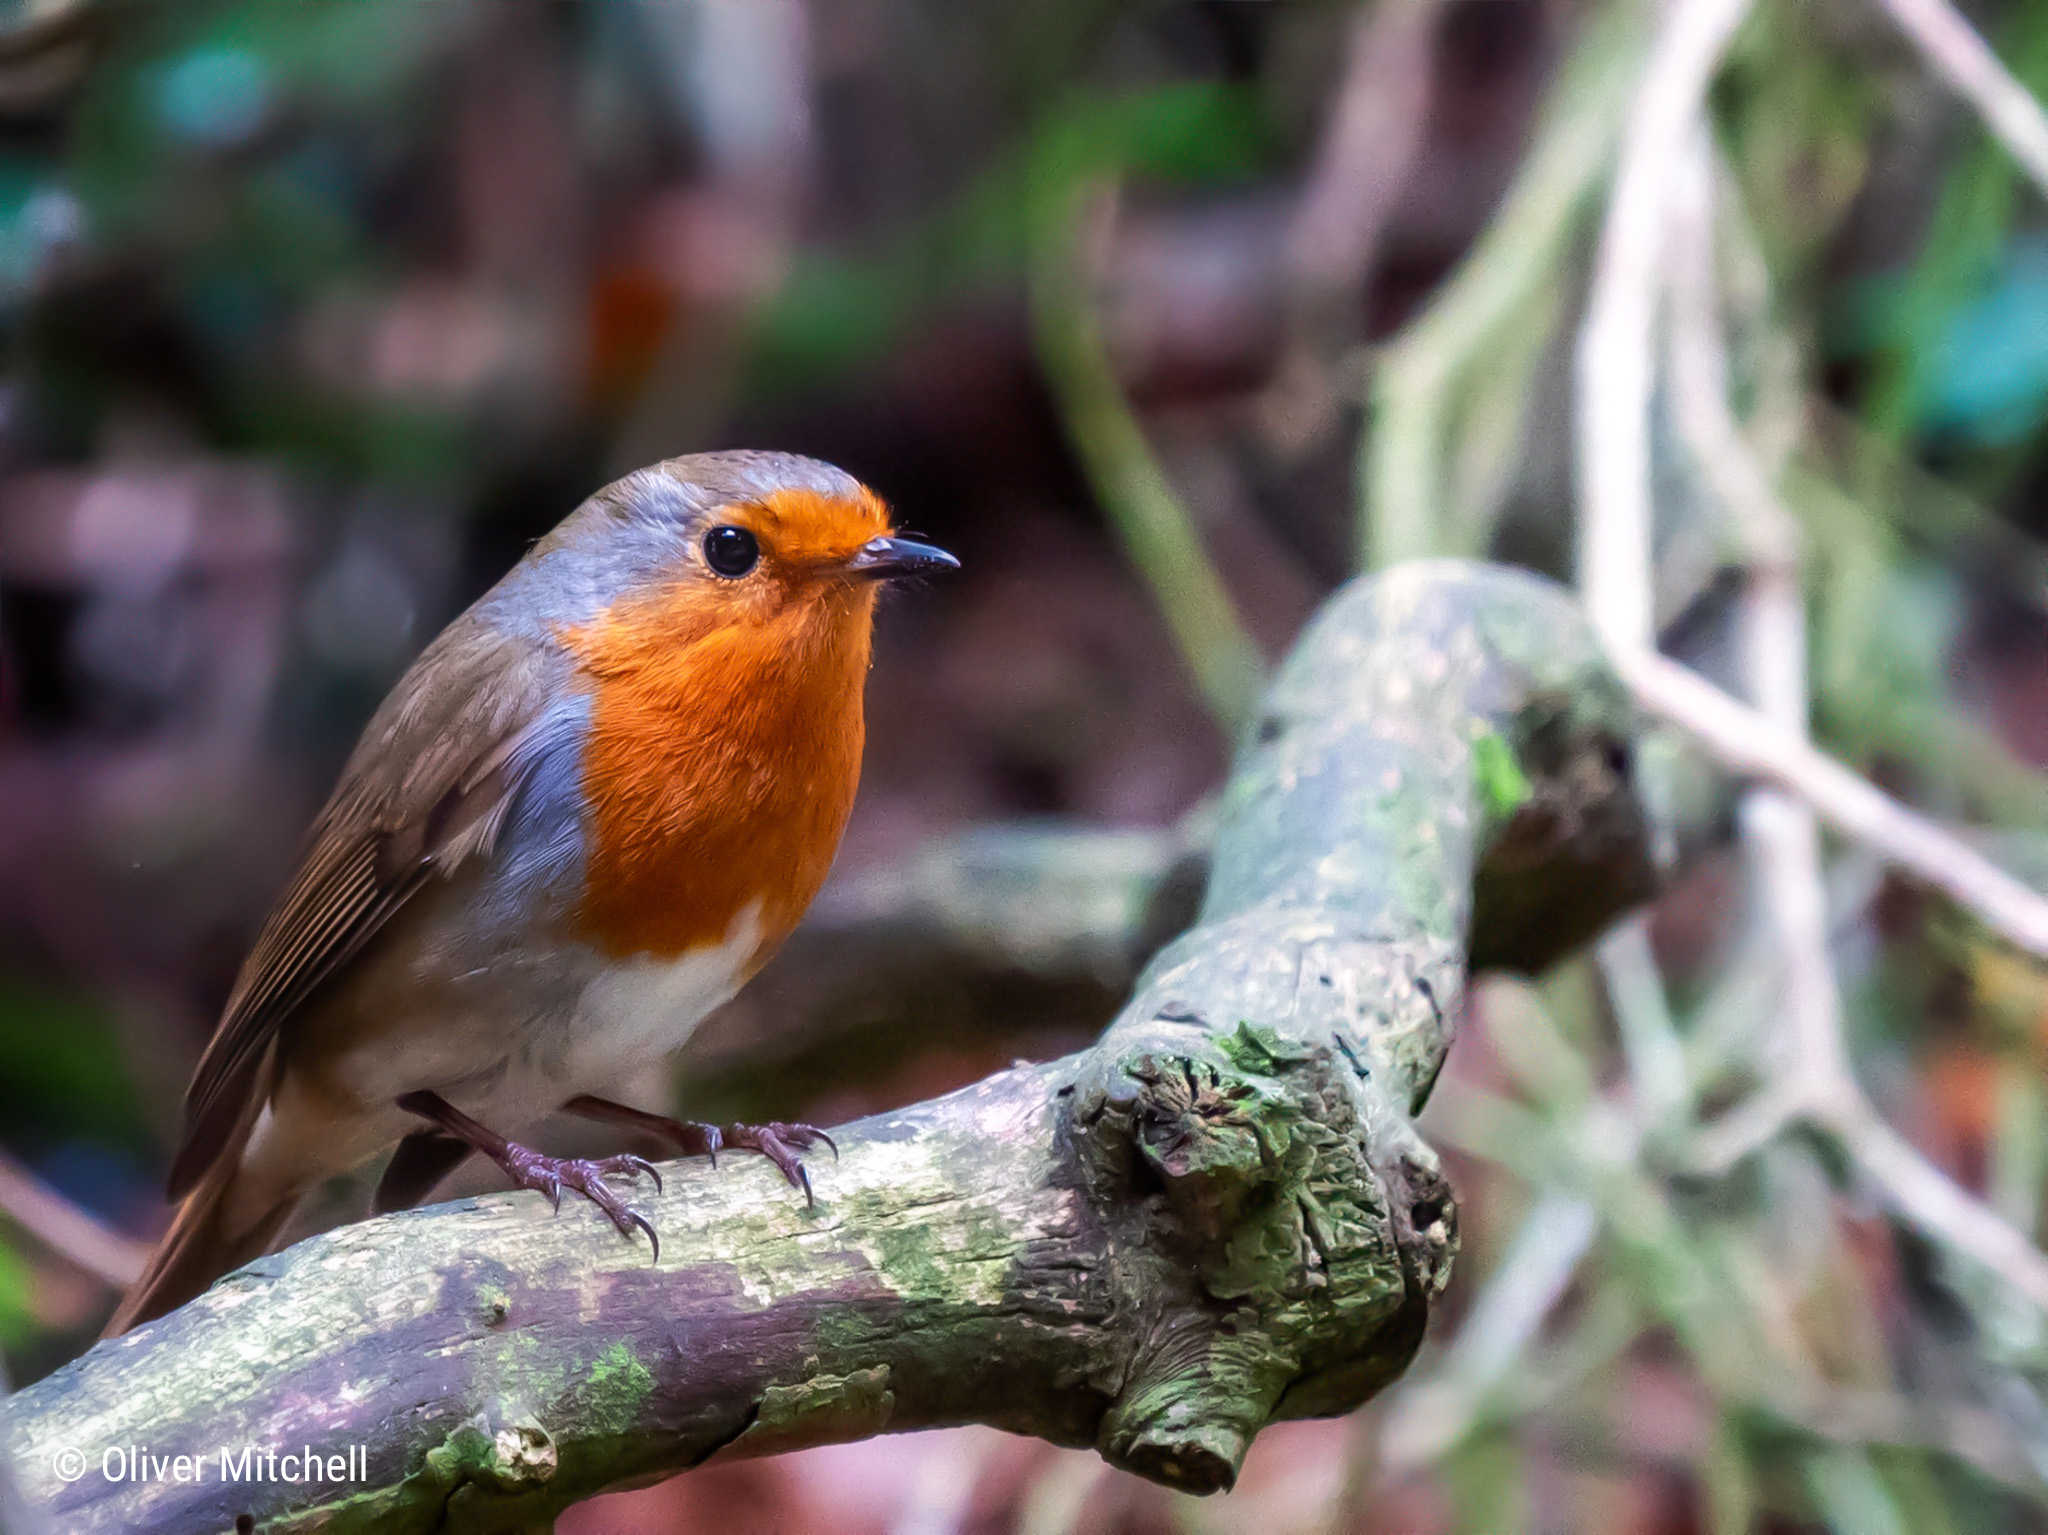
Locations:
(636, 529)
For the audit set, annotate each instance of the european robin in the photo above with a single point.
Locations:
(585, 816)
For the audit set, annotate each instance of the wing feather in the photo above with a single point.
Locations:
(428, 790)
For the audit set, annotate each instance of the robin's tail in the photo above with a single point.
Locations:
(222, 1224)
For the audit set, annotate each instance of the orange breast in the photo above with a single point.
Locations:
(719, 769)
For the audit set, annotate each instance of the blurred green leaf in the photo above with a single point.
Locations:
(67, 1075)
(837, 311)
(17, 1319)
(1927, 329)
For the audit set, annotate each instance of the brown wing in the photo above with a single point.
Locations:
(427, 790)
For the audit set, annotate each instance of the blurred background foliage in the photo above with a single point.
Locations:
(1166, 316)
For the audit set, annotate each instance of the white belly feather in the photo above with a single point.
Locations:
(637, 1011)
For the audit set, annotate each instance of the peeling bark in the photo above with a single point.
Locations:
(1219, 1216)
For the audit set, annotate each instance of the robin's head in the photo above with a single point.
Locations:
(781, 538)
(722, 541)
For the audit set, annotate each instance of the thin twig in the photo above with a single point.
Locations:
(1780, 831)
(1375, 129)
(73, 1235)
(1511, 266)
(1148, 516)
(1962, 58)
(1747, 743)
(1962, 1429)
(1649, 1038)
(1434, 1416)
(1366, 155)
(1931, 1201)
(1719, 448)
(1747, 1128)
(1616, 341)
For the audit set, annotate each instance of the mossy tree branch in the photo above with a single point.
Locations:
(1219, 1216)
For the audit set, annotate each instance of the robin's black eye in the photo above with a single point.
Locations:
(731, 551)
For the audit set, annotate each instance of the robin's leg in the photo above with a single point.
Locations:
(778, 1142)
(531, 1170)
(422, 1160)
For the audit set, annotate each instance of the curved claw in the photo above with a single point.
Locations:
(795, 1174)
(776, 1149)
(693, 1139)
(806, 1136)
(589, 1182)
(645, 1225)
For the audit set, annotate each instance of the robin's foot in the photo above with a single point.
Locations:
(780, 1143)
(530, 1169)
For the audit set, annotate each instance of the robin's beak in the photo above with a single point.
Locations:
(883, 559)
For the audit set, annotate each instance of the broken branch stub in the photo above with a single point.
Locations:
(1265, 1073)
(1219, 1216)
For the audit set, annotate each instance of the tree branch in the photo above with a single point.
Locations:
(1744, 742)
(1962, 58)
(74, 1235)
(1219, 1216)
(1616, 352)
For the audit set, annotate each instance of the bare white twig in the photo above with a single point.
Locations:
(1363, 161)
(1747, 743)
(1658, 1086)
(68, 1231)
(1367, 154)
(1932, 1202)
(1616, 341)
(1780, 831)
(1962, 58)
(1718, 447)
